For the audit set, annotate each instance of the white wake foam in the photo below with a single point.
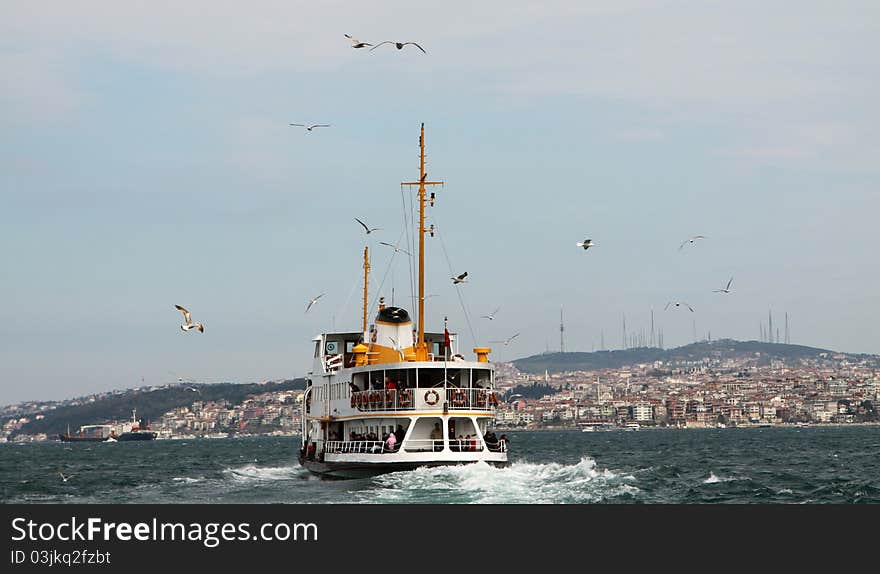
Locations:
(715, 479)
(254, 473)
(520, 483)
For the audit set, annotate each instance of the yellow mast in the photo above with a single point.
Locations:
(421, 347)
(366, 278)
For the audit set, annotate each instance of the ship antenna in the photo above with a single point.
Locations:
(421, 347)
(366, 279)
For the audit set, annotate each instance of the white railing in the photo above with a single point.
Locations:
(357, 447)
(423, 445)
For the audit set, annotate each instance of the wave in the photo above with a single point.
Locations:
(715, 479)
(254, 473)
(520, 483)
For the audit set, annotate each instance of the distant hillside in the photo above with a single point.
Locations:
(150, 405)
(723, 348)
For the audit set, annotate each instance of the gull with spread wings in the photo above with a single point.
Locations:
(355, 43)
(678, 304)
(726, 289)
(395, 247)
(460, 278)
(490, 316)
(690, 240)
(313, 301)
(309, 127)
(369, 230)
(189, 322)
(508, 340)
(399, 45)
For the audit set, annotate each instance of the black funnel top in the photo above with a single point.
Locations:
(393, 315)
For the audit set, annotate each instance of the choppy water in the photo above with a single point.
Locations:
(762, 465)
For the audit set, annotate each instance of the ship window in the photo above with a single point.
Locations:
(317, 349)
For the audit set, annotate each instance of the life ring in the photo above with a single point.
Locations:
(353, 400)
(374, 398)
(458, 398)
(389, 397)
(429, 401)
(404, 399)
(373, 337)
(481, 398)
(493, 400)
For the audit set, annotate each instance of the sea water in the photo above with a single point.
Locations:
(815, 465)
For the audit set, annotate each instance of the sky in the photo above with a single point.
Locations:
(146, 160)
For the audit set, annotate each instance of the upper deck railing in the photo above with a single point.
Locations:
(410, 399)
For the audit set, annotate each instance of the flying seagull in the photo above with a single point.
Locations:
(66, 478)
(189, 322)
(355, 43)
(726, 289)
(395, 247)
(399, 45)
(508, 340)
(677, 304)
(369, 230)
(586, 244)
(310, 126)
(460, 279)
(313, 301)
(691, 240)
(491, 315)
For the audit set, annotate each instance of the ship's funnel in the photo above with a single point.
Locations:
(392, 336)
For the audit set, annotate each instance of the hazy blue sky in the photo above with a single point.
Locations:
(146, 160)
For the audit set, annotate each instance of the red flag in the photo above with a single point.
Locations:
(446, 338)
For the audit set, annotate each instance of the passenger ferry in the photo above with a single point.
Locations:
(391, 396)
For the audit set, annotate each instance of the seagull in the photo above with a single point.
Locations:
(193, 389)
(726, 289)
(507, 341)
(66, 478)
(395, 247)
(309, 127)
(678, 303)
(189, 322)
(586, 244)
(355, 43)
(691, 240)
(460, 279)
(399, 45)
(369, 230)
(491, 315)
(313, 301)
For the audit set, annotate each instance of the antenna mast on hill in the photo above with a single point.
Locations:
(561, 332)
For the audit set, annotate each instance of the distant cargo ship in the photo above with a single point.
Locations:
(106, 432)
(137, 432)
(89, 433)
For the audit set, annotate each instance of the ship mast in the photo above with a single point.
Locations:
(421, 348)
(366, 278)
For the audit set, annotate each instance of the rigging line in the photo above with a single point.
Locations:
(406, 230)
(344, 307)
(375, 304)
(457, 287)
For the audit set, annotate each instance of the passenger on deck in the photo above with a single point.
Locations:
(491, 440)
(391, 443)
(390, 385)
(399, 434)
